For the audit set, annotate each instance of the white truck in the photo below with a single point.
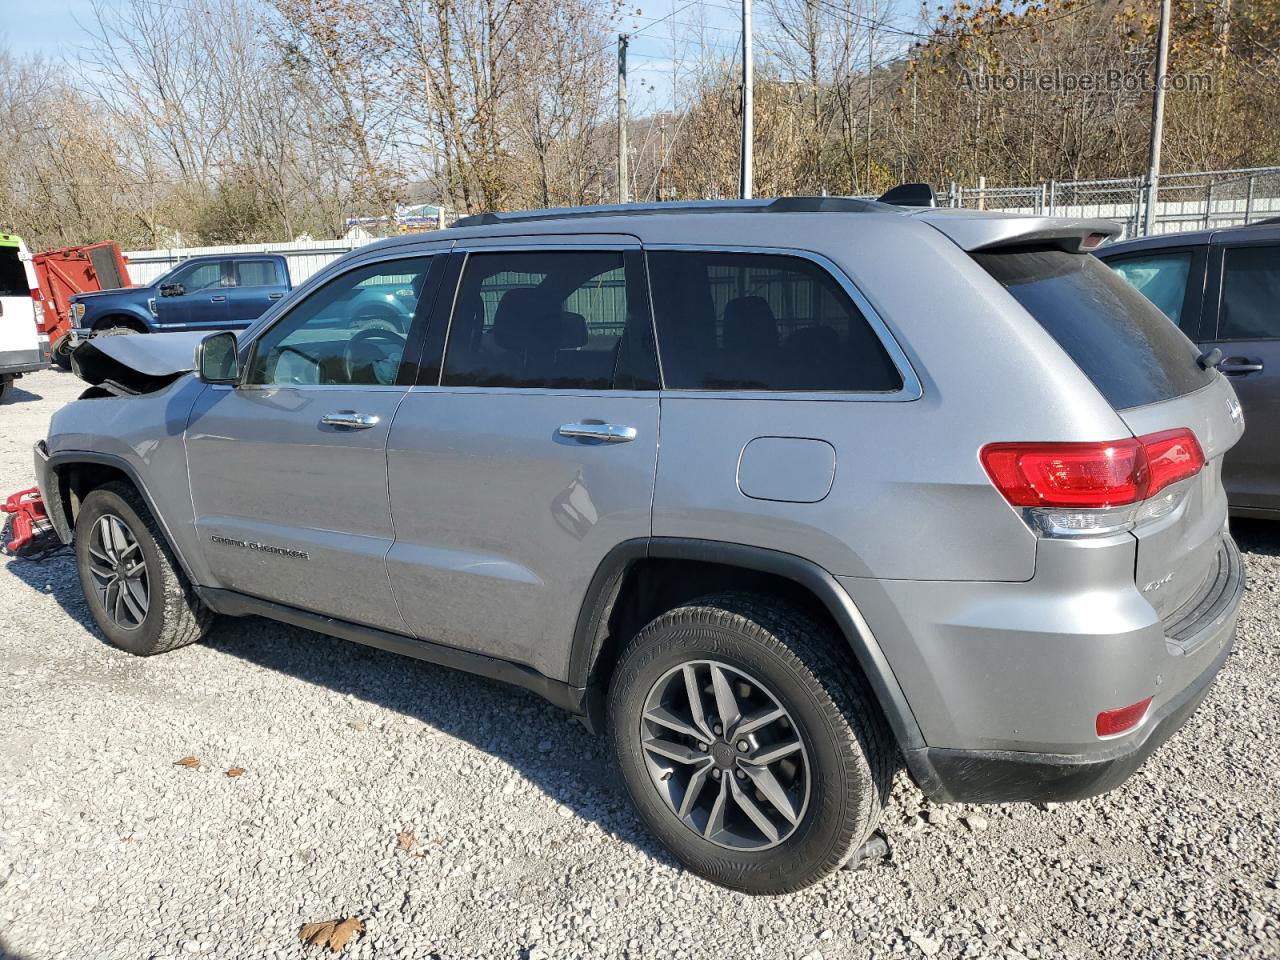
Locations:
(24, 347)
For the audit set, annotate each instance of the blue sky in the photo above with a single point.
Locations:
(42, 26)
(51, 28)
(658, 30)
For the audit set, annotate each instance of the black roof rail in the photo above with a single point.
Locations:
(778, 205)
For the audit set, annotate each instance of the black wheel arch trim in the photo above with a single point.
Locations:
(603, 592)
(53, 494)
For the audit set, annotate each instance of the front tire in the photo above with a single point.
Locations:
(61, 354)
(119, 331)
(133, 585)
(749, 743)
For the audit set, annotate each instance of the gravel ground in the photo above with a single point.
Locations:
(523, 845)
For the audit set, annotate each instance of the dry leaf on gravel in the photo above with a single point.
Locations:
(406, 840)
(333, 934)
(191, 763)
(235, 771)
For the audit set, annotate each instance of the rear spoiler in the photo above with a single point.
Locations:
(988, 231)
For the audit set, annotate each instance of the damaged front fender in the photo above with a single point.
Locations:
(137, 363)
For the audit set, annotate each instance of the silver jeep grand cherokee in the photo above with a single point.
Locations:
(780, 494)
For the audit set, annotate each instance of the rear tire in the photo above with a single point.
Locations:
(6, 387)
(145, 609)
(800, 819)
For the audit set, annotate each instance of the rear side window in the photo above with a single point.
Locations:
(748, 321)
(256, 273)
(13, 279)
(1250, 294)
(1124, 345)
(1161, 278)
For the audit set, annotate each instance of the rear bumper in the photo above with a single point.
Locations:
(23, 361)
(1006, 679)
(1006, 776)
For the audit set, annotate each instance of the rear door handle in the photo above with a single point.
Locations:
(1239, 366)
(274, 296)
(350, 420)
(217, 299)
(601, 432)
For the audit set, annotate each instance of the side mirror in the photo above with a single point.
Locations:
(217, 359)
(172, 290)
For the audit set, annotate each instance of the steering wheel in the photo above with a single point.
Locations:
(377, 345)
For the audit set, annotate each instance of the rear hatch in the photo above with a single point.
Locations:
(1148, 371)
(19, 335)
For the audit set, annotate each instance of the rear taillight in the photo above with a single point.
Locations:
(37, 304)
(1080, 489)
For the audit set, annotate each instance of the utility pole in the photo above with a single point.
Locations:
(624, 175)
(748, 102)
(662, 152)
(1157, 118)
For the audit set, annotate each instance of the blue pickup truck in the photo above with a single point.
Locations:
(219, 292)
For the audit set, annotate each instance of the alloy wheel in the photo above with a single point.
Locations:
(119, 571)
(725, 755)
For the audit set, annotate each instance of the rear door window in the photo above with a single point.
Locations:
(13, 278)
(1250, 293)
(1161, 278)
(564, 320)
(1122, 343)
(757, 321)
(256, 273)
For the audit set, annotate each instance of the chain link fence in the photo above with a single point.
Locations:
(1184, 201)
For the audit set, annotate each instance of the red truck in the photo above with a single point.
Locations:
(68, 271)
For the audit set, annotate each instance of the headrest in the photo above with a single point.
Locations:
(523, 321)
(573, 331)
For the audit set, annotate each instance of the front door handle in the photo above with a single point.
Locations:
(1239, 366)
(274, 296)
(217, 299)
(601, 432)
(350, 420)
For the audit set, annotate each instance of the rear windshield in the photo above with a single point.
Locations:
(1121, 341)
(13, 279)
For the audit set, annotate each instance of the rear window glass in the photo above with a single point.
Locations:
(13, 279)
(1121, 341)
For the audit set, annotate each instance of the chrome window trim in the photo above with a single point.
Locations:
(911, 385)
(313, 283)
